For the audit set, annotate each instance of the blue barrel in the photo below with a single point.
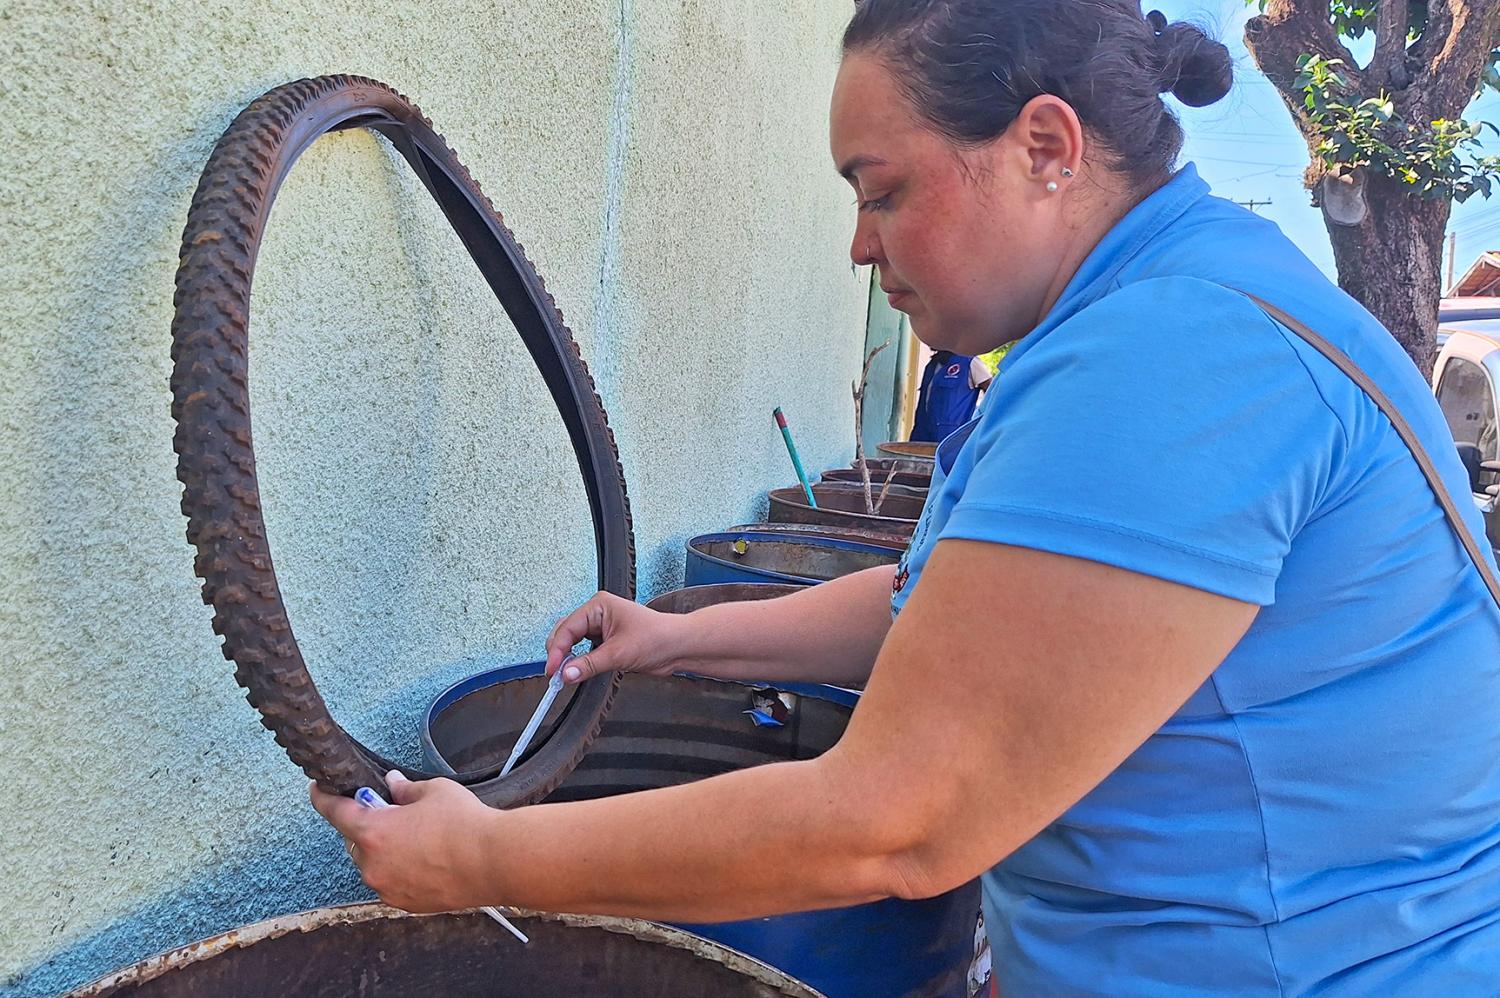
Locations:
(755, 556)
(664, 731)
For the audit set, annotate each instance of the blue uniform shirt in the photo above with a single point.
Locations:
(946, 398)
(1323, 815)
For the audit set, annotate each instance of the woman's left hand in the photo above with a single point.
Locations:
(423, 855)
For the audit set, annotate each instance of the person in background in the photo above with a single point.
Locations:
(951, 385)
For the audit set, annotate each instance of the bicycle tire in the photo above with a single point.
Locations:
(216, 460)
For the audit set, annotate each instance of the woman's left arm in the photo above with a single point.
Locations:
(1012, 683)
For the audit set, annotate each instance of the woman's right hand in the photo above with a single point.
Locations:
(627, 637)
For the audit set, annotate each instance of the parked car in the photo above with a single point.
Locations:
(1480, 315)
(1465, 380)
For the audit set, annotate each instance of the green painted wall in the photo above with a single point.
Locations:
(665, 163)
(886, 387)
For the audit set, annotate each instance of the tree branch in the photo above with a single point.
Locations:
(859, 428)
(1388, 67)
(890, 476)
(1454, 49)
(1292, 28)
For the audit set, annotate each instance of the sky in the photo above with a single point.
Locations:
(1247, 147)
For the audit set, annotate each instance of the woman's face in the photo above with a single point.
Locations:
(967, 242)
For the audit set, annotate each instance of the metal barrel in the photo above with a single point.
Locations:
(697, 597)
(375, 951)
(668, 731)
(909, 455)
(843, 504)
(896, 463)
(905, 479)
(908, 450)
(752, 556)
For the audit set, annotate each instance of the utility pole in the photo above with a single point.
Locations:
(1452, 254)
(1252, 204)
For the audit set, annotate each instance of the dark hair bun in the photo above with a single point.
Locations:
(968, 68)
(1195, 69)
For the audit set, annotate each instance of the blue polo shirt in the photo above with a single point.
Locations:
(1323, 815)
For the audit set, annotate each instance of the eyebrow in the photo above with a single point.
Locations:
(853, 166)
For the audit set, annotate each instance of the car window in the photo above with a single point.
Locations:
(1469, 406)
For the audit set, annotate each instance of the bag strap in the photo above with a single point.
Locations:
(1403, 429)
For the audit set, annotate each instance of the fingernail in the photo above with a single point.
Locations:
(393, 776)
(572, 673)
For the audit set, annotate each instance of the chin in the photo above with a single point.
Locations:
(942, 336)
(937, 340)
(934, 335)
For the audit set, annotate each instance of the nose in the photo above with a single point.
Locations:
(864, 249)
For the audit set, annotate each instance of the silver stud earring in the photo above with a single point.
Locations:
(1051, 187)
(1067, 173)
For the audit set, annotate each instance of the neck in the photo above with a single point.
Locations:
(1098, 209)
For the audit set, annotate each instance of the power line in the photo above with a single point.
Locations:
(1201, 138)
(1482, 239)
(1482, 235)
(1483, 222)
(1482, 213)
(1252, 162)
(1289, 132)
(1480, 220)
(1486, 224)
(1248, 176)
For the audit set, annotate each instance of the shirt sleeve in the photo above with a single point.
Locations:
(1170, 429)
(979, 372)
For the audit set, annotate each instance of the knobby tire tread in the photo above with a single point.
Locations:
(210, 404)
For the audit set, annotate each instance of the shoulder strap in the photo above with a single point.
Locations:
(1403, 429)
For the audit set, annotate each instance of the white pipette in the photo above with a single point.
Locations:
(554, 687)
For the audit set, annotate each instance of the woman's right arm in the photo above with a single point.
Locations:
(829, 633)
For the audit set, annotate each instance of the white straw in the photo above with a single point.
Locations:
(369, 798)
(505, 922)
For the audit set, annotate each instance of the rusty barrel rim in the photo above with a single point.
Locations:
(865, 535)
(690, 598)
(182, 957)
(899, 479)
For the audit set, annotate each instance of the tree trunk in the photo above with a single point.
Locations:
(1389, 254)
(1391, 263)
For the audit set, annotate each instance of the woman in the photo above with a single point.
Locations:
(1231, 723)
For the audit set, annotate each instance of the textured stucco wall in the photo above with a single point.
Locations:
(665, 164)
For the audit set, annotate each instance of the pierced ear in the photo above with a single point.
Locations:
(1051, 136)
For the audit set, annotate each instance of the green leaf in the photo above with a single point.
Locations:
(1351, 130)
